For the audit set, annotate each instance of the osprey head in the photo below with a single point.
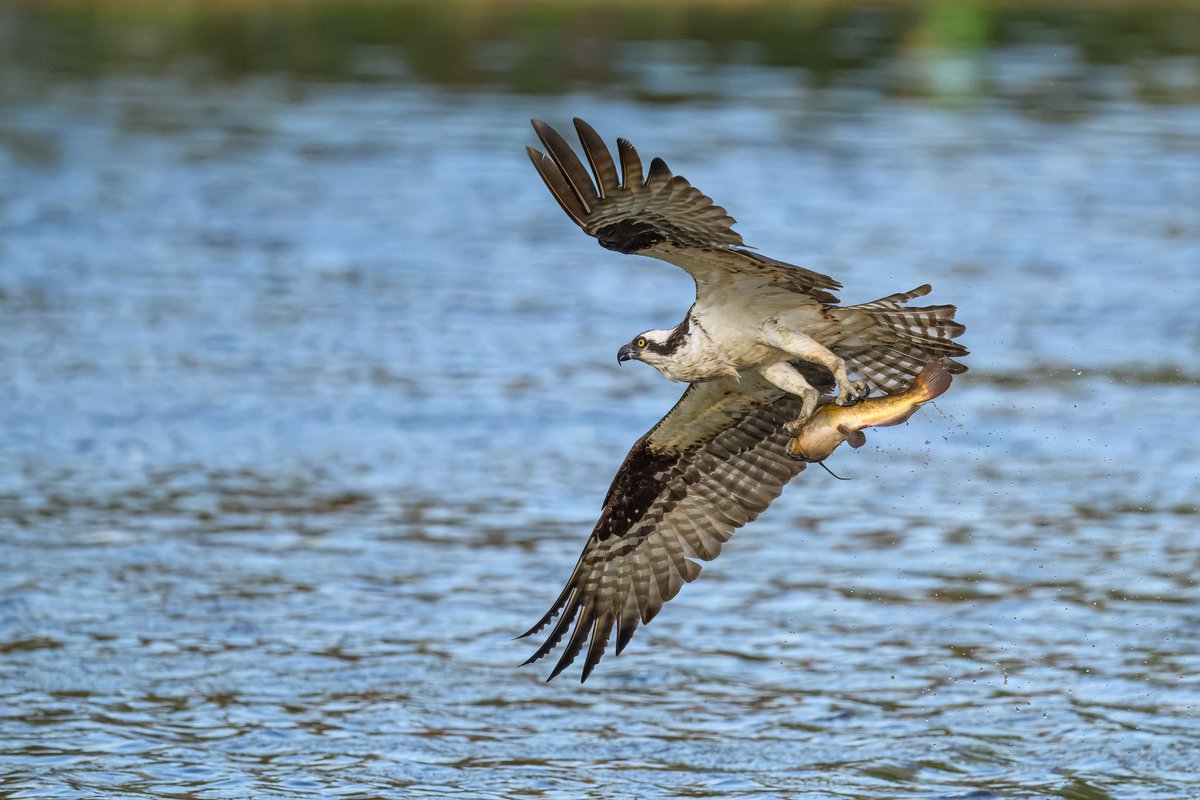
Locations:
(652, 347)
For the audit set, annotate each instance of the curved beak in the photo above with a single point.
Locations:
(626, 353)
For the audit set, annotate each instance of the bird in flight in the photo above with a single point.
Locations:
(758, 347)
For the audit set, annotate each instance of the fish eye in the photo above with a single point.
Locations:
(641, 342)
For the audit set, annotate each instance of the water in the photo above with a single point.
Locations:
(310, 401)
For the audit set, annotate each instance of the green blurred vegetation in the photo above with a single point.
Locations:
(550, 47)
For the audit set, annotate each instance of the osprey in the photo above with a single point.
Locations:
(761, 342)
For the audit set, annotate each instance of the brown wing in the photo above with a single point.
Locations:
(711, 465)
(659, 214)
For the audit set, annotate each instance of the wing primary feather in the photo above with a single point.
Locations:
(560, 628)
(654, 598)
(601, 630)
(627, 621)
(574, 644)
(627, 626)
(631, 165)
(658, 176)
(600, 159)
(558, 186)
(572, 168)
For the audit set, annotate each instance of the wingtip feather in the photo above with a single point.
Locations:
(575, 177)
(631, 164)
(574, 644)
(601, 631)
(552, 175)
(599, 158)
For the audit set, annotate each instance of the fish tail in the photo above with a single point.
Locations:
(933, 380)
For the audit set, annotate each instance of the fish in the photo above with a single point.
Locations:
(830, 425)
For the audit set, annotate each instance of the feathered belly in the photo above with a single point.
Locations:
(720, 360)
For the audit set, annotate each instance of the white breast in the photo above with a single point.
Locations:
(722, 341)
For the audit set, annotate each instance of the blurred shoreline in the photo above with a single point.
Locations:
(557, 47)
(218, 5)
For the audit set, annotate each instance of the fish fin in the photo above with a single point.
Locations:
(933, 381)
(855, 439)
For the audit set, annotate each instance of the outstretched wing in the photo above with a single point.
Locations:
(711, 465)
(658, 214)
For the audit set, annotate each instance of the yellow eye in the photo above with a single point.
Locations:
(641, 342)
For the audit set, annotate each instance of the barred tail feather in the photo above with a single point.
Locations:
(888, 343)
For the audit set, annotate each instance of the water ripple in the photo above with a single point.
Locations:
(309, 405)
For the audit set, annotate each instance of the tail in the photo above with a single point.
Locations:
(933, 381)
(888, 343)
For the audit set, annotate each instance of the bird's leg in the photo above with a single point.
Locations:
(788, 378)
(803, 346)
